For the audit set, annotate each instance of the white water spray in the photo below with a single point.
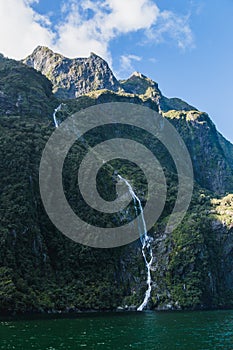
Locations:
(146, 242)
(54, 115)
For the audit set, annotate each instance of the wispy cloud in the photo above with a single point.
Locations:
(126, 64)
(87, 25)
(170, 25)
(91, 25)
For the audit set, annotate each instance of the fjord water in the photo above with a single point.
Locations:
(202, 330)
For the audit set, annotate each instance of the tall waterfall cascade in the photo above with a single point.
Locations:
(146, 241)
(56, 124)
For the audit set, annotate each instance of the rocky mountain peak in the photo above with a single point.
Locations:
(138, 83)
(94, 56)
(72, 77)
(42, 49)
(138, 74)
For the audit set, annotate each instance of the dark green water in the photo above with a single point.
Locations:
(147, 330)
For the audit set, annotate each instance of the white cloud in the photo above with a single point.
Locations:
(85, 26)
(78, 35)
(173, 26)
(130, 15)
(110, 18)
(21, 29)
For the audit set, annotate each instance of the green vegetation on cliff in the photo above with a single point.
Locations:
(42, 270)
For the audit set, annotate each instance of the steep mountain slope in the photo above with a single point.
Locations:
(42, 270)
(23, 91)
(227, 149)
(139, 84)
(211, 160)
(209, 151)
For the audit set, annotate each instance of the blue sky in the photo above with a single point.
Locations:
(184, 45)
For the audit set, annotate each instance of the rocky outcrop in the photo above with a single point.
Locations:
(141, 85)
(72, 77)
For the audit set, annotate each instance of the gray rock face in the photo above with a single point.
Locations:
(141, 85)
(72, 77)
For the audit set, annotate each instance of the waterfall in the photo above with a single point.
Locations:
(146, 240)
(54, 115)
(159, 106)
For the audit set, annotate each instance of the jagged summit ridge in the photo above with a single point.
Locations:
(72, 77)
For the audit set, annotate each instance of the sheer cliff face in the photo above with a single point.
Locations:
(210, 152)
(40, 269)
(72, 77)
